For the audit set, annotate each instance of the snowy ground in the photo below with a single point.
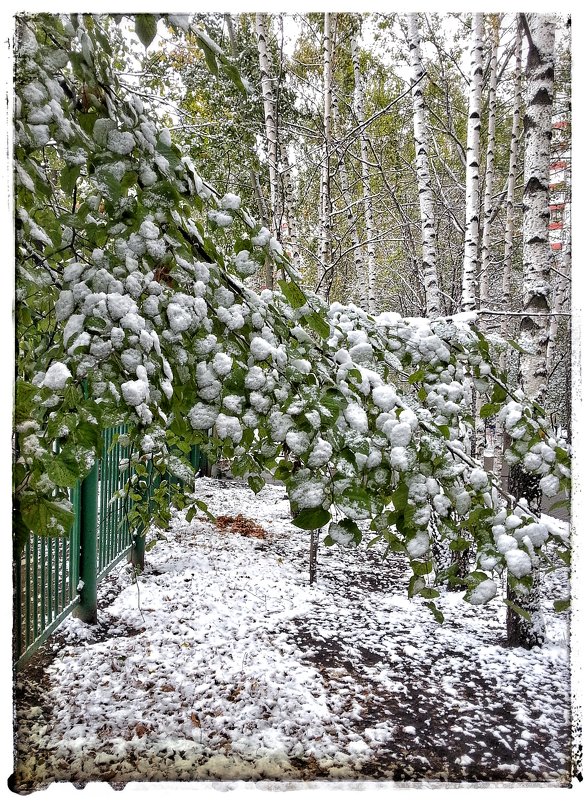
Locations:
(222, 663)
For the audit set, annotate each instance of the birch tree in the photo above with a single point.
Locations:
(488, 196)
(536, 293)
(266, 78)
(348, 205)
(425, 192)
(511, 185)
(324, 263)
(468, 298)
(366, 185)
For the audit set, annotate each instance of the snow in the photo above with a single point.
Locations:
(223, 663)
(549, 485)
(228, 426)
(356, 418)
(230, 201)
(222, 364)
(56, 376)
(121, 142)
(519, 562)
(261, 349)
(478, 479)
(400, 435)
(202, 416)
(399, 458)
(298, 442)
(384, 397)
(321, 453)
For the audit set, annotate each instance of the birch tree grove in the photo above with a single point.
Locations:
(425, 192)
(470, 258)
(142, 301)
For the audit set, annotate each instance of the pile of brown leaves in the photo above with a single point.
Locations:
(240, 525)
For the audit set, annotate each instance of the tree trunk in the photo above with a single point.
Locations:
(425, 192)
(366, 186)
(358, 259)
(509, 233)
(268, 266)
(289, 209)
(536, 257)
(468, 298)
(488, 204)
(269, 120)
(324, 276)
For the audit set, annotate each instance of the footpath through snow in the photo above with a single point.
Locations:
(222, 663)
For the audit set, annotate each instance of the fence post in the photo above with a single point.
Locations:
(87, 608)
(138, 549)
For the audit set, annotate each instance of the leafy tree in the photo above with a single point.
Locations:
(133, 307)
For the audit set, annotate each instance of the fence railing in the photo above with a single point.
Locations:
(55, 576)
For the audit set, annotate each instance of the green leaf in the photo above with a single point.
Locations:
(400, 496)
(562, 605)
(351, 526)
(519, 611)
(234, 75)
(256, 483)
(45, 517)
(417, 376)
(145, 26)
(445, 431)
(429, 592)
(438, 615)
(69, 176)
(318, 324)
(421, 568)
(283, 471)
(489, 410)
(516, 346)
(293, 293)
(311, 519)
(172, 156)
(459, 544)
(63, 470)
(562, 504)
(209, 57)
(499, 394)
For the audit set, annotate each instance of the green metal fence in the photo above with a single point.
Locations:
(55, 576)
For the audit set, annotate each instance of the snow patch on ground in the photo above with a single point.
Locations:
(222, 662)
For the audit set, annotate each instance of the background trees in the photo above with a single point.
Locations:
(146, 273)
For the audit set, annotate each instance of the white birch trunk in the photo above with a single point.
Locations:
(468, 297)
(289, 208)
(269, 119)
(324, 265)
(425, 192)
(366, 186)
(361, 289)
(488, 204)
(561, 302)
(536, 251)
(511, 186)
(536, 257)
